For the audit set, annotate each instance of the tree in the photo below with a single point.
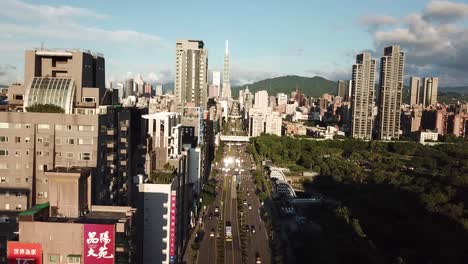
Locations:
(45, 108)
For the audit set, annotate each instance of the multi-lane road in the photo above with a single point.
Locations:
(231, 177)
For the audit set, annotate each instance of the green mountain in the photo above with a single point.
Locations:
(315, 86)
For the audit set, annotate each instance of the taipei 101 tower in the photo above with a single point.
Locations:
(226, 80)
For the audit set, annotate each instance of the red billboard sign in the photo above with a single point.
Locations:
(99, 244)
(24, 253)
(172, 221)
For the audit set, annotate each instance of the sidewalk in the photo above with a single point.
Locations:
(187, 257)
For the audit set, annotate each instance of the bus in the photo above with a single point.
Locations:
(228, 231)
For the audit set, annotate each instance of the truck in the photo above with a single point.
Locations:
(228, 231)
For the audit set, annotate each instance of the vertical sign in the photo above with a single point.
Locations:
(172, 234)
(24, 253)
(99, 244)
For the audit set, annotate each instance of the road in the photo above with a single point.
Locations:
(226, 183)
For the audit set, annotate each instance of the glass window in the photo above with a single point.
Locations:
(3, 152)
(86, 128)
(73, 259)
(4, 125)
(58, 127)
(18, 153)
(69, 154)
(85, 141)
(71, 141)
(85, 156)
(43, 126)
(3, 139)
(17, 139)
(53, 258)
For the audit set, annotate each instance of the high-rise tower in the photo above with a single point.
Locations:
(362, 96)
(391, 89)
(226, 78)
(430, 87)
(415, 90)
(191, 80)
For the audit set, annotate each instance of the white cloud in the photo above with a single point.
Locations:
(23, 23)
(434, 44)
(445, 11)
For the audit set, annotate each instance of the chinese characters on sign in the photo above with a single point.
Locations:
(99, 244)
(173, 227)
(25, 253)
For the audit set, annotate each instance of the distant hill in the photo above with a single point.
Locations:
(459, 89)
(315, 86)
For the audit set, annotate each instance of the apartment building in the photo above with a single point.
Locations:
(391, 91)
(191, 80)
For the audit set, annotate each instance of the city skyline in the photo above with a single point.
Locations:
(138, 46)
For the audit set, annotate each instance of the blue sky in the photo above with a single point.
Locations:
(267, 38)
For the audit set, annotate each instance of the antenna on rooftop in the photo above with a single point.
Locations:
(42, 45)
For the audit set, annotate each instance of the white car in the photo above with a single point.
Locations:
(250, 207)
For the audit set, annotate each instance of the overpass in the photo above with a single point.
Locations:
(240, 139)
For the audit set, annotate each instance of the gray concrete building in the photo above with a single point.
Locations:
(341, 88)
(362, 96)
(191, 78)
(415, 90)
(391, 90)
(430, 87)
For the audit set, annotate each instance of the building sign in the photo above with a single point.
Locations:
(24, 253)
(99, 244)
(172, 234)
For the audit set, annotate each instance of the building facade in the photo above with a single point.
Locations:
(363, 96)
(391, 90)
(191, 80)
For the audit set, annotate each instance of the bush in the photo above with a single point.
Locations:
(45, 108)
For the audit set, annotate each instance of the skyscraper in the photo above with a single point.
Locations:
(341, 88)
(191, 80)
(261, 99)
(159, 90)
(430, 87)
(391, 88)
(415, 90)
(129, 87)
(362, 96)
(226, 78)
(216, 78)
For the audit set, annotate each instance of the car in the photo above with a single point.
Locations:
(245, 202)
(216, 209)
(210, 215)
(257, 258)
(247, 228)
(252, 229)
(250, 207)
(212, 232)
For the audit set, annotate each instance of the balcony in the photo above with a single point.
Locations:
(124, 128)
(123, 151)
(110, 144)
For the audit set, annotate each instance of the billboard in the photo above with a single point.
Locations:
(24, 253)
(99, 244)
(172, 233)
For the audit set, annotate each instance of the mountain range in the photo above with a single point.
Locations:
(315, 86)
